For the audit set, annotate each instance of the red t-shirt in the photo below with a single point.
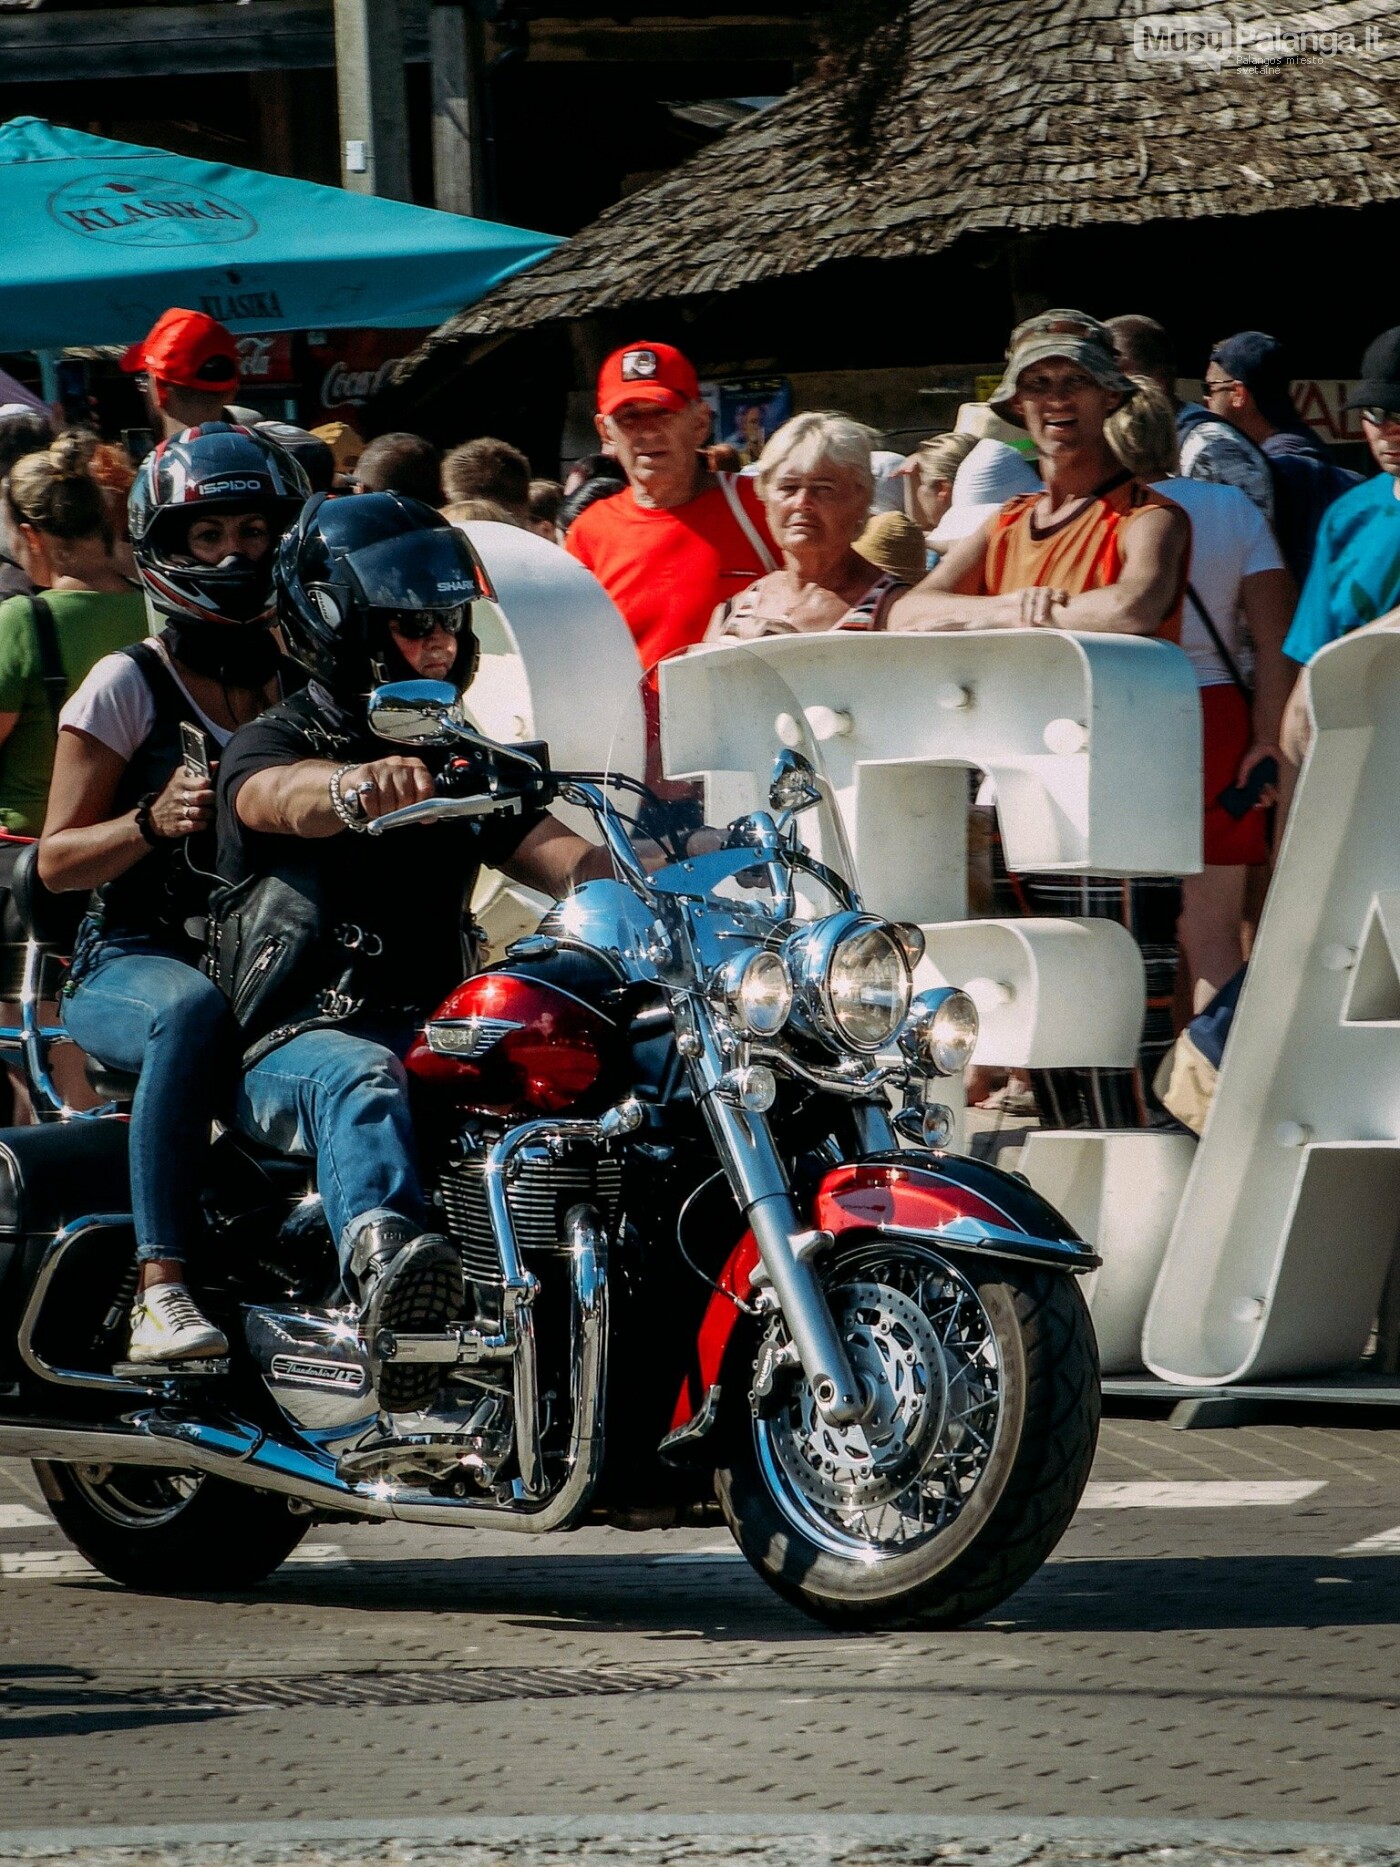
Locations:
(666, 570)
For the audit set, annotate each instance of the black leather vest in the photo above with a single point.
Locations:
(162, 892)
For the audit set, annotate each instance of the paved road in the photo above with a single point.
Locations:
(1216, 1638)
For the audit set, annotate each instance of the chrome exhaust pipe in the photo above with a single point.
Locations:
(245, 1455)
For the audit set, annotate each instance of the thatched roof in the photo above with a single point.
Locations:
(1006, 117)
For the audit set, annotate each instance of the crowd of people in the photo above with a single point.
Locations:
(1085, 495)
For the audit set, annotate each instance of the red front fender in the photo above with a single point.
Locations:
(859, 1196)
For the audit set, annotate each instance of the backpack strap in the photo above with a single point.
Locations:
(50, 660)
(728, 486)
(166, 691)
(1245, 690)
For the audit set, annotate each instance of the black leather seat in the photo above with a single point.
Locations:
(53, 921)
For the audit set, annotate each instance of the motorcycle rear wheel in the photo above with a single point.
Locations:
(164, 1532)
(971, 1471)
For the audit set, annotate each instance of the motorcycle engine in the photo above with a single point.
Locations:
(547, 1180)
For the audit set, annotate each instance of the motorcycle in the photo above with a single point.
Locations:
(711, 1269)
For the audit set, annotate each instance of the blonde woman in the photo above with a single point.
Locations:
(58, 521)
(815, 479)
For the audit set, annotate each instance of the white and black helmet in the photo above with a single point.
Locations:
(216, 467)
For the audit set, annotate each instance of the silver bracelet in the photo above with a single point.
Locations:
(339, 805)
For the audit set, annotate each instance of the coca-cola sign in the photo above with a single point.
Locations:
(345, 387)
(265, 359)
(347, 368)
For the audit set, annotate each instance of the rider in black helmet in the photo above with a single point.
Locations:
(372, 588)
(129, 819)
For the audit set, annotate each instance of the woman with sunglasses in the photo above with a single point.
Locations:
(371, 930)
(129, 816)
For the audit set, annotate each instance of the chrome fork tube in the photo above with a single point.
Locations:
(745, 1145)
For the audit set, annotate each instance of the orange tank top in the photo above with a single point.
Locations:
(1081, 552)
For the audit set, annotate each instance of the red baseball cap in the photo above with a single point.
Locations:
(647, 373)
(189, 350)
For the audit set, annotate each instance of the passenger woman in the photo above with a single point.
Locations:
(129, 815)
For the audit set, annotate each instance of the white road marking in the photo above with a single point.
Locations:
(319, 1555)
(710, 1552)
(1206, 1494)
(1382, 1542)
(57, 1565)
(44, 1565)
(22, 1517)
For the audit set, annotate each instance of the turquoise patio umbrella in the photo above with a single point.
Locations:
(97, 238)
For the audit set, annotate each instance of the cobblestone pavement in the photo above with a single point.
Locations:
(1216, 1640)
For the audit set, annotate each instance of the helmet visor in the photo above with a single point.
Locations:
(415, 571)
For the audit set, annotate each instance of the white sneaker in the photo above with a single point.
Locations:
(167, 1326)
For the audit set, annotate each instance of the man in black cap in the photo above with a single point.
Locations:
(1355, 575)
(1247, 385)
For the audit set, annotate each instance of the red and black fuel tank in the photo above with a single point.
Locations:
(529, 1039)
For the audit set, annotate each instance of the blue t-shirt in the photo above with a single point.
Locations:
(1355, 574)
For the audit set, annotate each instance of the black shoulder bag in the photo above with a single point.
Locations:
(50, 661)
(1246, 691)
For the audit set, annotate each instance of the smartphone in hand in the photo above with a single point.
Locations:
(1239, 799)
(194, 745)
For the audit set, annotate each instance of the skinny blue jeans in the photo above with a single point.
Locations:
(136, 1006)
(340, 1098)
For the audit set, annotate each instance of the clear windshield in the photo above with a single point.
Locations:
(720, 726)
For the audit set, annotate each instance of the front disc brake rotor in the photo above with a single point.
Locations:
(896, 1356)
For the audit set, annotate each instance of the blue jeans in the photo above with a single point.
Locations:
(341, 1098)
(136, 1007)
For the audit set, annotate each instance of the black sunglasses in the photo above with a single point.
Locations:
(416, 625)
(1381, 417)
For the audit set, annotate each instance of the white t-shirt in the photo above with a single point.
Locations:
(115, 705)
(1230, 540)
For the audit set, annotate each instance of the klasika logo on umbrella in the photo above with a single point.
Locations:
(144, 210)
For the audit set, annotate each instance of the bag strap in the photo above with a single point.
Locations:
(1246, 691)
(50, 660)
(741, 518)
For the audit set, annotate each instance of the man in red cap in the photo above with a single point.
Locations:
(189, 366)
(677, 540)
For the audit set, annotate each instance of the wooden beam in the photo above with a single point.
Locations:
(299, 35)
(181, 41)
(373, 98)
(760, 38)
(455, 38)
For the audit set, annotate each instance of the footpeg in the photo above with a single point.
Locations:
(389, 1345)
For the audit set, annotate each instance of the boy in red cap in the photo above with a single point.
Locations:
(190, 366)
(678, 539)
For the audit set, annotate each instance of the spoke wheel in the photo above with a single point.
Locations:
(924, 1347)
(170, 1532)
(132, 1498)
(968, 1468)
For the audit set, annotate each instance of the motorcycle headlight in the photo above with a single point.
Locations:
(941, 1030)
(756, 992)
(852, 978)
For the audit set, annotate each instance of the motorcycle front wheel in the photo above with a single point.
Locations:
(967, 1472)
(165, 1532)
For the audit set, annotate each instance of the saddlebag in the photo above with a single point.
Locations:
(49, 1176)
(58, 1172)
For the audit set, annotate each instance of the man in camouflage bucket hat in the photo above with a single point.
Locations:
(1072, 335)
(1096, 550)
